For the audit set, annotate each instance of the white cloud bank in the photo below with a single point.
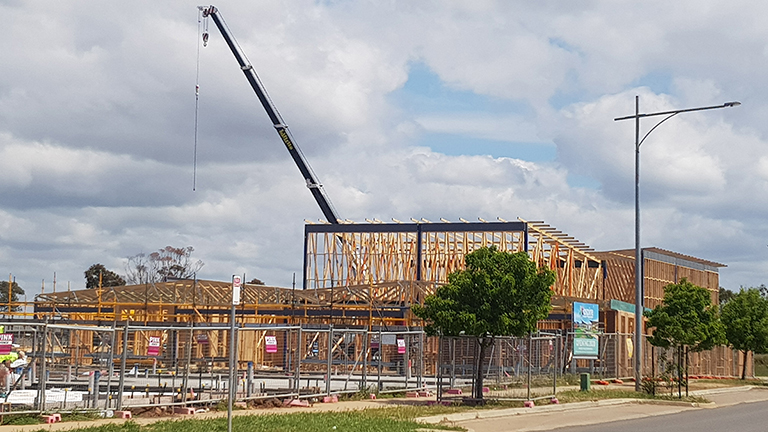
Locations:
(97, 109)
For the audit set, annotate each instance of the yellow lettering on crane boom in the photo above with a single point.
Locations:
(285, 138)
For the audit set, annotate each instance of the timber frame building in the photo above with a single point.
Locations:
(368, 275)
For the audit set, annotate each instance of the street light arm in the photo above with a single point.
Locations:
(657, 125)
(725, 105)
(639, 273)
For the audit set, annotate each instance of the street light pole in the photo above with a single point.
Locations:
(639, 272)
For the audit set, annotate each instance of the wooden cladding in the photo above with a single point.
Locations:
(661, 268)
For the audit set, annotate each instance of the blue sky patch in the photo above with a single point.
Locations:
(660, 82)
(425, 94)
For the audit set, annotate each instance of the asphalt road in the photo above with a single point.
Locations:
(744, 417)
(738, 409)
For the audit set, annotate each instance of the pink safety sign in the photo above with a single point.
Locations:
(401, 346)
(271, 343)
(6, 343)
(153, 348)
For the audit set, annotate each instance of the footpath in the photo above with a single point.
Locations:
(538, 418)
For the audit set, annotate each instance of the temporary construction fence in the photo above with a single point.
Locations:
(74, 367)
(126, 366)
(616, 359)
(527, 368)
(516, 368)
(62, 368)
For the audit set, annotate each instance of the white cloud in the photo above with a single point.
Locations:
(97, 109)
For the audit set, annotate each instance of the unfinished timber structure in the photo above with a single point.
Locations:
(368, 254)
(660, 268)
(354, 274)
(365, 277)
(360, 276)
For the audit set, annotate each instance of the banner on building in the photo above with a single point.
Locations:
(271, 343)
(586, 320)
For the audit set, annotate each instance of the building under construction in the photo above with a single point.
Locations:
(366, 276)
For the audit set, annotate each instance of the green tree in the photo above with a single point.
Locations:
(725, 295)
(498, 294)
(16, 291)
(108, 277)
(686, 319)
(745, 319)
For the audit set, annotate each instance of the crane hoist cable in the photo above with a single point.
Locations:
(202, 29)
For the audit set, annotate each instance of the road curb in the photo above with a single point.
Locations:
(727, 390)
(675, 403)
(546, 409)
(494, 413)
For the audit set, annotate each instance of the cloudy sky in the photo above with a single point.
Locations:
(429, 109)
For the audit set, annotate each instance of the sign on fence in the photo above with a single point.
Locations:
(6, 343)
(28, 397)
(586, 318)
(271, 342)
(153, 349)
(401, 346)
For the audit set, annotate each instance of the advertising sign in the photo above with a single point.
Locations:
(6, 343)
(153, 348)
(586, 319)
(271, 342)
(401, 346)
(202, 338)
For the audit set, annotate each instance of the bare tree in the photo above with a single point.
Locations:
(166, 263)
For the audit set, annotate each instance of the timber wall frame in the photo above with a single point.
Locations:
(338, 255)
(358, 254)
(359, 274)
(202, 301)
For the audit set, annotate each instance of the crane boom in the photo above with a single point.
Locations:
(282, 129)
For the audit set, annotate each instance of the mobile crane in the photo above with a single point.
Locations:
(282, 129)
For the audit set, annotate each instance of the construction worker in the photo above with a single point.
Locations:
(12, 357)
(20, 361)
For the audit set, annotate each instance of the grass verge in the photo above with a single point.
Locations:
(374, 420)
(593, 395)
